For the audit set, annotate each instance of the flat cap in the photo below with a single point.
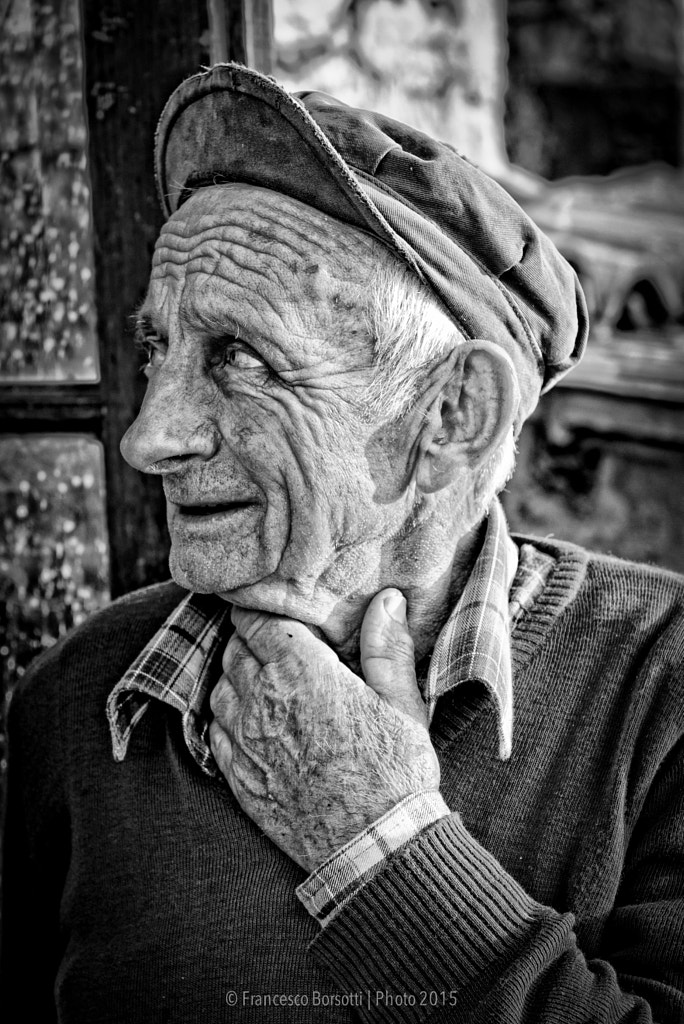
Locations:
(498, 276)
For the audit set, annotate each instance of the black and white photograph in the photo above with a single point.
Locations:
(342, 511)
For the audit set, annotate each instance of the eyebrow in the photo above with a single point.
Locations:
(145, 318)
(217, 324)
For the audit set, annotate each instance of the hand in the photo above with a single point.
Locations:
(312, 753)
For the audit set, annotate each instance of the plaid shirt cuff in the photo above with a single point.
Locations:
(329, 887)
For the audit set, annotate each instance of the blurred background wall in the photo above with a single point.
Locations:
(543, 94)
(576, 106)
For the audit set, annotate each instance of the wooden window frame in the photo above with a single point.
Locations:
(139, 55)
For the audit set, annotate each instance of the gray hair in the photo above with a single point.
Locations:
(410, 331)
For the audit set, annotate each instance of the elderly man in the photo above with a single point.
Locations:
(299, 792)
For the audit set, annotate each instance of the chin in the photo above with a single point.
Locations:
(206, 575)
(281, 597)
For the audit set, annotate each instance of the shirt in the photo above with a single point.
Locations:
(181, 664)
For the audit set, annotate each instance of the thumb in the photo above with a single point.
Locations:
(387, 654)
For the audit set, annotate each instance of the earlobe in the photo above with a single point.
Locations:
(469, 416)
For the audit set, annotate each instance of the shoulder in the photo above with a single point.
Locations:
(56, 717)
(616, 620)
(619, 589)
(640, 608)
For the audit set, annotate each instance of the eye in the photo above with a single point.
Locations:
(153, 347)
(241, 358)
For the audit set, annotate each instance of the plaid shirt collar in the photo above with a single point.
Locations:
(179, 666)
(475, 642)
(182, 662)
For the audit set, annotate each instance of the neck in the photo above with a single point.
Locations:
(428, 565)
(431, 578)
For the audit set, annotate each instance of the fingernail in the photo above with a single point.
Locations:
(395, 606)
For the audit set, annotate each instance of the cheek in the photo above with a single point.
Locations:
(310, 458)
(253, 435)
(291, 439)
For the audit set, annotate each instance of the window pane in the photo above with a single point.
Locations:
(47, 324)
(53, 547)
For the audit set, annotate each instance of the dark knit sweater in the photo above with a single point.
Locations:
(139, 891)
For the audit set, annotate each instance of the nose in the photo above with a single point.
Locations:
(174, 424)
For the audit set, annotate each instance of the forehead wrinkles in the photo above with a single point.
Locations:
(220, 231)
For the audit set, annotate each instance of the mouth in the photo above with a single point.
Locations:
(213, 508)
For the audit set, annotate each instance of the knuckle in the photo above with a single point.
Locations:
(390, 640)
(251, 726)
(220, 745)
(399, 639)
(249, 624)
(234, 648)
(217, 696)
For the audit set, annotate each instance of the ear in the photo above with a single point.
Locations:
(472, 407)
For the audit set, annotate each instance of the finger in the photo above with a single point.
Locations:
(221, 748)
(275, 638)
(224, 702)
(240, 666)
(387, 656)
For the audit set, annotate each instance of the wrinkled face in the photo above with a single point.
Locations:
(258, 363)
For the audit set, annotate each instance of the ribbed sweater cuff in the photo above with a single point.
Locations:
(442, 917)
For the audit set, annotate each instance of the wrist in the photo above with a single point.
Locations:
(338, 878)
